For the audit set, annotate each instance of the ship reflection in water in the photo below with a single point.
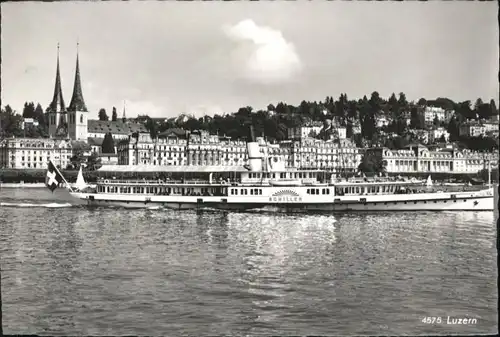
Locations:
(72, 270)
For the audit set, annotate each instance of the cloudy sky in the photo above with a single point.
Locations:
(165, 58)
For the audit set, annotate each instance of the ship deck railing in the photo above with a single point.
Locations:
(164, 182)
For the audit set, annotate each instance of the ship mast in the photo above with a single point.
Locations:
(489, 173)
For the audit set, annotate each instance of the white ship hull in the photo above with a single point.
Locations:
(459, 201)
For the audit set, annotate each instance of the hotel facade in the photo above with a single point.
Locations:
(34, 153)
(419, 159)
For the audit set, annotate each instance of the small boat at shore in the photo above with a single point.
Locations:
(261, 186)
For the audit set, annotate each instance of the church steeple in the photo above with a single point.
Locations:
(57, 104)
(124, 117)
(77, 102)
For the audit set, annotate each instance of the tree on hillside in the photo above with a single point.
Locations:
(108, 144)
(416, 119)
(39, 115)
(29, 110)
(114, 115)
(464, 109)
(102, 115)
(10, 123)
(367, 119)
(422, 102)
(453, 129)
(493, 108)
(375, 102)
(402, 102)
(152, 127)
(478, 104)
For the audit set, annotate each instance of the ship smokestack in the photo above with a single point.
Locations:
(254, 155)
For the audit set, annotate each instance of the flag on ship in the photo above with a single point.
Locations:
(53, 178)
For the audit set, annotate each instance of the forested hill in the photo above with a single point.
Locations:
(274, 121)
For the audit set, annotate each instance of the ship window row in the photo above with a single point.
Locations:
(283, 175)
(246, 191)
(367, 189)
(316, 191)
(185, 191)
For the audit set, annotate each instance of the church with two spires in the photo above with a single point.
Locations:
(73, 122)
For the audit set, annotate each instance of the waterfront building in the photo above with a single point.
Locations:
(233, 152)
(136, 149)
(416, 158)
(34, 153)
(203, 149)
(169, 148)
(338, 157)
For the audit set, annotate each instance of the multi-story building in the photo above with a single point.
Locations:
(308, 130)
(431, 113)
(436, 134)
(472, 129)
(419, 159)
(203, 149)
(342, 156)
(136, 149)
(34, 153)
(175, 148)
(233, 152)
(490, 126)
(356, 129)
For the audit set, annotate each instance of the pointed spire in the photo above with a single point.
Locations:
(77, 102)
(124, 110)
(57, 104)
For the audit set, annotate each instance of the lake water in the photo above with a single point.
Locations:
(76, 271)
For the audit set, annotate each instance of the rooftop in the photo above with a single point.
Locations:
(116, 128)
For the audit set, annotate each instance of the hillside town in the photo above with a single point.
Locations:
(371, 136)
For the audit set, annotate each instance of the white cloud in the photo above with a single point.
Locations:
(266, 55)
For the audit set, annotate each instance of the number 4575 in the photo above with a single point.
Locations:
(431, 320)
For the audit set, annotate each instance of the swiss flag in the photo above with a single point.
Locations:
(53, 178)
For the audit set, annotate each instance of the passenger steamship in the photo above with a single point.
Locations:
(266, 184)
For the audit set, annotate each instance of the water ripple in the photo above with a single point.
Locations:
(73, 271)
